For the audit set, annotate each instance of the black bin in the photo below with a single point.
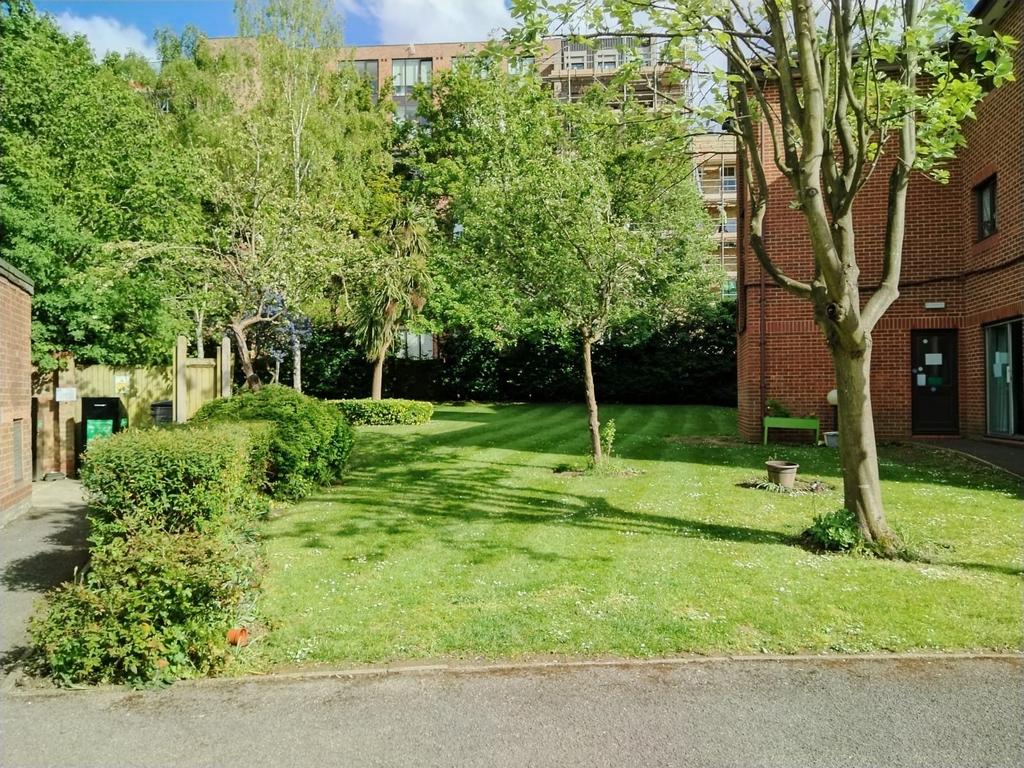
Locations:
(162, 411)
(101, 416)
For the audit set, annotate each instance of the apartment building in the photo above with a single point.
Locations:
(948, 356)
(569, 67)
(715, 167)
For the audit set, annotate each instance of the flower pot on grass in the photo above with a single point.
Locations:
(782, 472)
(238, 636)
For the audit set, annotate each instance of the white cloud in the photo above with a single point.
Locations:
(427, 21)
(106, 34)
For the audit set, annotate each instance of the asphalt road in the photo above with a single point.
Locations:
(900, 712)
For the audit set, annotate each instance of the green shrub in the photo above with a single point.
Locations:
(153, 608)
(311, 440)
(834, 531)
(174, 480)
(365, 411)
(608, 437)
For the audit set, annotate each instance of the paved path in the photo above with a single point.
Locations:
(901, 712)
(38, 550)
(1004, 454)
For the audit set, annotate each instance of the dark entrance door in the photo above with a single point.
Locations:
(934, 406)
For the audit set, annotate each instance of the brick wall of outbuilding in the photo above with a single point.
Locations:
(15, 390)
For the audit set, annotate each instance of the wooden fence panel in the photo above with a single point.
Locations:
(138, 388)
(201, 384)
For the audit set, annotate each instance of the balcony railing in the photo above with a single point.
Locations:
(718, 187)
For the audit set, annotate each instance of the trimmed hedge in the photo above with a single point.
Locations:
(311, 440)
(173, 557)
(366, 411)
(173, 480)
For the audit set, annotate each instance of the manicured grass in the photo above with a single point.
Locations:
(457, 539)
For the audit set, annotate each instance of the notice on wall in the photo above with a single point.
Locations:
(122, 382)
(997, 370)
(933, 358)
(66, 394)
(921, 378)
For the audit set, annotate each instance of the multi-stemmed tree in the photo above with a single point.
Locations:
(840, 87)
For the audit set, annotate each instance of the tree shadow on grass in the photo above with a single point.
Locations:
(456, 493)
(663, 434)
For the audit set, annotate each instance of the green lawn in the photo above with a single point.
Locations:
(457, 539)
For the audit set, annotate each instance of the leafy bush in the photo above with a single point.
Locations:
(834, 531)
(311, 440)
(153, 608)
(173, 480)
(608, 437)
(386, 411)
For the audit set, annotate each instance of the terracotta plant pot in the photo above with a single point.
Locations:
(238, 636)
(782, 472)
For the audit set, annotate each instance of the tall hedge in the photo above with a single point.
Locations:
(310, 443)
(690, 361)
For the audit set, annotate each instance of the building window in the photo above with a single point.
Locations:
(521, 65)
(414, 346)
(369, 70)
(729, 225)
(607, 60)
(408, 73)
(729, 178)
(985, 193)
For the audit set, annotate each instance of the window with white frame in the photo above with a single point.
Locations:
(729, 178)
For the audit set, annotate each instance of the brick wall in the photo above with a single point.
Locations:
(782, 355)
(15, 391)
(993, 283)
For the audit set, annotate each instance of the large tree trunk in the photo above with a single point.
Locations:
(377, 389)
(296, 363)
(245, 357)
(861, 486)
(592, 415)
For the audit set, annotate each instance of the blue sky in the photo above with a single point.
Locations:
(123, 25)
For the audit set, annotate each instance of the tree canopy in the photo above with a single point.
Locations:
(86, 163)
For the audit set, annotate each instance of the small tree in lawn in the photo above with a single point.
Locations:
(856, 83)
(391, 283)
(562, 205)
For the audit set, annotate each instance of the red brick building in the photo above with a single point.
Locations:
(15, 391)
(947, 356)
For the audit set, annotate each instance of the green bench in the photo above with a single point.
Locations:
(787, 422)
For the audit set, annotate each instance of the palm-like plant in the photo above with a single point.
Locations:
(394, 284)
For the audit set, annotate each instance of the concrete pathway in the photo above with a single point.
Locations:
(825, 712)
(38, 550)
(1001, 453)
